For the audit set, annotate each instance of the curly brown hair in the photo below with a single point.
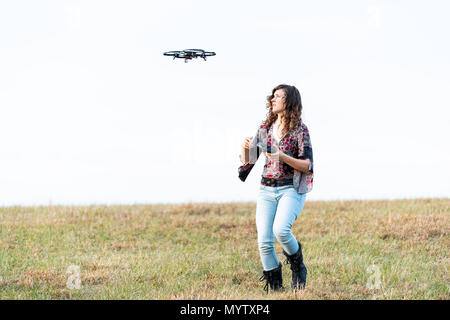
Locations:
(293, 111)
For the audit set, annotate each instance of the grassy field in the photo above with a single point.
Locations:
(396, 249)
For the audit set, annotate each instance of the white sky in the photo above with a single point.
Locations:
(91, 111)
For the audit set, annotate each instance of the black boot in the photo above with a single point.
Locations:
(298, 268)
(274, 279)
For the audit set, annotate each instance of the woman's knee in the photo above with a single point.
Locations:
(282, 233)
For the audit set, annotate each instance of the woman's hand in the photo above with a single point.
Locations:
(246, 143)
(278, 155)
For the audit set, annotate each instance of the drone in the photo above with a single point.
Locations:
(188, 54)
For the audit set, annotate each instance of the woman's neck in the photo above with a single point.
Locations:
(279, 121)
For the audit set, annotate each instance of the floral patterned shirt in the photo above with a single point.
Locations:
(296, 144)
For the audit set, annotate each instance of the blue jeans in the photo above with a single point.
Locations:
(276, 209)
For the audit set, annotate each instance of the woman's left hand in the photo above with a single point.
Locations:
(276, 156)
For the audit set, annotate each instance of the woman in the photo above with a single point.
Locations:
(286, 178)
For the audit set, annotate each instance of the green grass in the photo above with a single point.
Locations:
(209, 251)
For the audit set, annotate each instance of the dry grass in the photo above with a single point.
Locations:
(209, 251)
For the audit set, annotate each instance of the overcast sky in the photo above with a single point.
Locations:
(91, 112)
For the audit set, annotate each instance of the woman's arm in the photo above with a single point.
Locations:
(245, 150)
(298, 164)
(245, 156)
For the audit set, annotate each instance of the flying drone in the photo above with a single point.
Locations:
(188, 54)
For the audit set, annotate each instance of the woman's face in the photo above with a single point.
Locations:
(278, 101)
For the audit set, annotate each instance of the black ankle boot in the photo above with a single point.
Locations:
(274, 279)
(298, 268)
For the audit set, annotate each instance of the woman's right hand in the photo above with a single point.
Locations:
(246, 143)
